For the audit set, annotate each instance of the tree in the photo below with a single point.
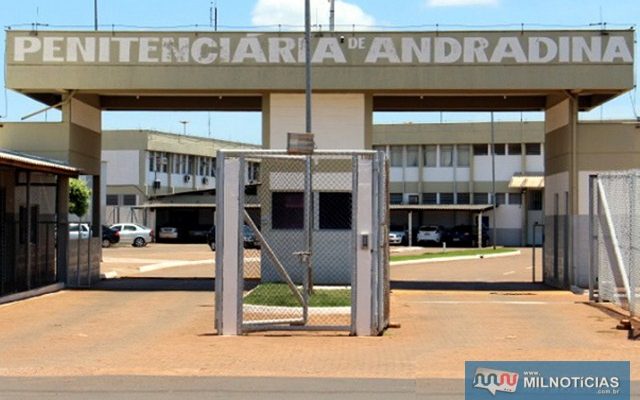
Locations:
(79, 195)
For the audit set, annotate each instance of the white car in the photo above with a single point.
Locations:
(397, 237)
(81, 231)
(135, 234)
(168, 232)
(429, 234)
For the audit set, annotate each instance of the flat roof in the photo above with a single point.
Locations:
(35, 163)
(526, 182)
(441, 207)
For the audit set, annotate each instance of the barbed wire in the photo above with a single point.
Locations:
(341, 27)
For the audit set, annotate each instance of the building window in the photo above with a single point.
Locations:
(501, 199)
(413, 199)
(480, 198)
(431, 156)
(463, 155)
(429, 198)
(480, 149)
(535, 200)
(335, 210)
(396, 156)
(395, 198)
(189, 161)
(515, 198)
(412, 156)
(499, 149)
(446, 198)
(129, 200)
(112, 199)
(212, 171)
(287, 210)
(446, 156)
(515, 149)
(152, 161)
(533, 149)
(463, 198)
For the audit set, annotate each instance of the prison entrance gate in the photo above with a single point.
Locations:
(315, 258)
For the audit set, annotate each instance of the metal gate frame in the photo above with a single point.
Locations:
(370, 273)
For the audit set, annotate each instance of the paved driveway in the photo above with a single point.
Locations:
(122, 339)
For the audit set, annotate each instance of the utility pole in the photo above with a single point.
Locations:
(307, 61)
(95, 15)
(332, 15)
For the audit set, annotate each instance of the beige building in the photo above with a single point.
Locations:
(355, 75)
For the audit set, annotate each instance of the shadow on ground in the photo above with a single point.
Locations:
(477, 286)
(136, 284)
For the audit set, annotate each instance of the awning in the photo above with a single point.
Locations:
(527, 182)
(441, 207)
(35, 163)
(185, 205)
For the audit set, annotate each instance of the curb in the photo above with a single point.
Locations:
(456, 258)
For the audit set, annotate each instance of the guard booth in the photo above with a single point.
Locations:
(317, 257)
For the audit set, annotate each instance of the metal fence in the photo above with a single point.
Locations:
(297, 250)
(614, 214)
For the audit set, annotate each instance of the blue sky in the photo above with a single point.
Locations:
(268, 14)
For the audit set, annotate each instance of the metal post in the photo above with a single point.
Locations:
(95, 15)
(480, 230)
(307, 60)
(308, 212)
(533, 253)
(410, 227)
(592, 239)
(493, 181)
(332, 16)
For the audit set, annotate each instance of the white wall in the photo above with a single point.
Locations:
(122, 167)
(506, 167)
(338, 119)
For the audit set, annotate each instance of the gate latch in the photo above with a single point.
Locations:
(303, 255)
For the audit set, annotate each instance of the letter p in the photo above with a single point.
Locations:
(25, 45)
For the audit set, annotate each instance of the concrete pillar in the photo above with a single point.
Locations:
(561, 182)
(340, 120)
(62, 211)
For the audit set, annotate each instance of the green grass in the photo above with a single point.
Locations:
(454, 253)
(279, 294)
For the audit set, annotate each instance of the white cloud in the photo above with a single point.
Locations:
(291, 12)
(460, 3)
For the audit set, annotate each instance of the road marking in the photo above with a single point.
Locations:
(509, 273)
(172, 264)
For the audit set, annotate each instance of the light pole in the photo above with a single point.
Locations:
(95, 15)
(184, 127)
(493, 180)
(307, 62)
(332, 15)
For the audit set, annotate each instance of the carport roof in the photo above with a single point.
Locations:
(527, 182)
(35, 163)
(187, 205)
(441, 207)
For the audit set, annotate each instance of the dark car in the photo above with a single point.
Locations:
(249, 238)
(466, 236)
(109, 236)
(211, 238)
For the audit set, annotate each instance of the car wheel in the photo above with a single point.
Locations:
(212, 245)
(139, 242)
(106, 243)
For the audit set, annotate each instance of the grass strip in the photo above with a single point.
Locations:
(279, 294)
(454, 253)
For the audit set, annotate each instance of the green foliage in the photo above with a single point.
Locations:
(79, 195)
(279, 294)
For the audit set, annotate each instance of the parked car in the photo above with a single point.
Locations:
(211, 238)
(430, 234)
(77, 230)
(109, 236)
(249, 237)
(135, 234)
(397, 237)
(168, 232)
(466, 236)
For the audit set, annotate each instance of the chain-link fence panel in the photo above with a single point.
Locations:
(615, 225)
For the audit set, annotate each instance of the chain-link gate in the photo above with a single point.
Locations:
(298, 231)
(614, 212)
